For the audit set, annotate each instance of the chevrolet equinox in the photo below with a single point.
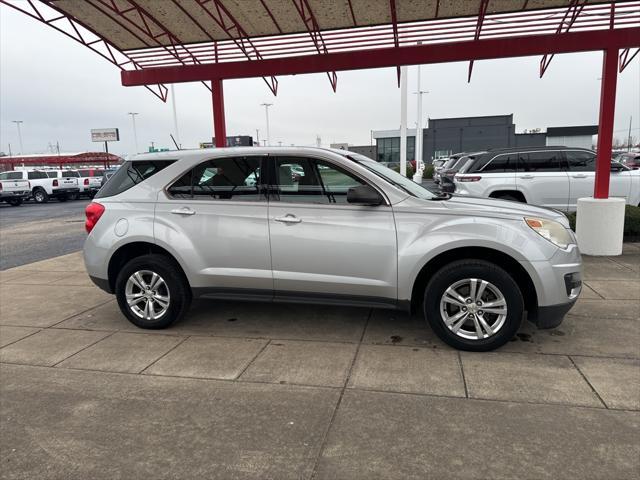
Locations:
(324, 226)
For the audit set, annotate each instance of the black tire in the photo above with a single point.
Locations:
(40, 195)
(63, 198)
(73, 196)
(176, 283)
(458, 271)
(15, 202)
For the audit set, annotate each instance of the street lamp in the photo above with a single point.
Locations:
(135, 133)
(266, 111)
(18, 122)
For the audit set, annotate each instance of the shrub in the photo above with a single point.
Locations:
(428, 172)
(410, 170)
(631, 221)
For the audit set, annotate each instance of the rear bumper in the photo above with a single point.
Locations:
(64, 191)
(101, 283)
(13, 195)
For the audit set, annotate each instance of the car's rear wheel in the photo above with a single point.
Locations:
(473, 305)
(152, 291)
(15, 202)
(40, 196)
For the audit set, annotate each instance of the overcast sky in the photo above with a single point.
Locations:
(60, 90)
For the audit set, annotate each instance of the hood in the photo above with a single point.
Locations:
(504, 207)
(488, 207)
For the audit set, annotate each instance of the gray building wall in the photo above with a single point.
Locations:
(452, 135)
(366, 150)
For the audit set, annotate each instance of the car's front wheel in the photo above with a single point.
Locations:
(152, 291)
(473, 305)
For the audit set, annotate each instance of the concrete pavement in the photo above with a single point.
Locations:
(288, 391)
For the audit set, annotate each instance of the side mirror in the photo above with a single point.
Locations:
(364, 195)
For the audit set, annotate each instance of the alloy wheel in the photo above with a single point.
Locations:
(147, 295)
(473, 309)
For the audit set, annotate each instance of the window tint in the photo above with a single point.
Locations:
(540, 162)
(234, 178)
(52, 174)
(70, 173)
(130, 174)
(84, 173)
(581, 161)
(11, 176)
(36, 175)
(305, 180)
(501, 163)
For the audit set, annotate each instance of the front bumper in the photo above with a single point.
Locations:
(550, 316)
(558, 284)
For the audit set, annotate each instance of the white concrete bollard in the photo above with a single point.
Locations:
(600, 225)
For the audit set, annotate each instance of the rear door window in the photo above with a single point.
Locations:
(131, 173)
(550, 161)
(501, 163)
(581, 161)
(232, 178)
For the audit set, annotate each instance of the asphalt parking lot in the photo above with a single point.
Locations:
(253, 390)
(33, 232)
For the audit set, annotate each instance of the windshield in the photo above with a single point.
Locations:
(393, 177)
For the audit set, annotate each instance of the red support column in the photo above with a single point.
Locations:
(219, 128)
(605, 128)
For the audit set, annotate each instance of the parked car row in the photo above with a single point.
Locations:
(43, 184)
(548, 176)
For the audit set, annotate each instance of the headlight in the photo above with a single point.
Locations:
(553, 231)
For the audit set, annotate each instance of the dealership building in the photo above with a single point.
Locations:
(444, 136)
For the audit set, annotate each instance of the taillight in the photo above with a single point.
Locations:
(474, 178)
(93, 212)
(55, 183)
(86, 181)
(0, 186)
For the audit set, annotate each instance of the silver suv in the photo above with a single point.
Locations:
(312, 225)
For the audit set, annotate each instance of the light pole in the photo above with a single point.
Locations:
(258, 136)
(18, 122)
(266, 111)
(135, 133)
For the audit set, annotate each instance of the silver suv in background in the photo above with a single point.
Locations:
(553, 177)
(234, 223)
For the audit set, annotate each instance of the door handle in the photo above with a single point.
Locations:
(579, 176)
(183, 211)
(526, 177)
(288, 219)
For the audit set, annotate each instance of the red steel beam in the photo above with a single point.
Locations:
(312, 26)
(484, 49)
(159, 91)
(396, 38)
(577, 7)
(605, 126)
(481, 13)
(227, 22)
(219, 125)
(122, 12)
(625, 59)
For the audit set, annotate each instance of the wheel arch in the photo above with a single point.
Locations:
(508, 263)
(132, 250)
(514, 193)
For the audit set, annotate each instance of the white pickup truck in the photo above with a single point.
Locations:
(13, 189)
(45, 185)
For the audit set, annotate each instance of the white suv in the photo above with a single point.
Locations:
(553, 177)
